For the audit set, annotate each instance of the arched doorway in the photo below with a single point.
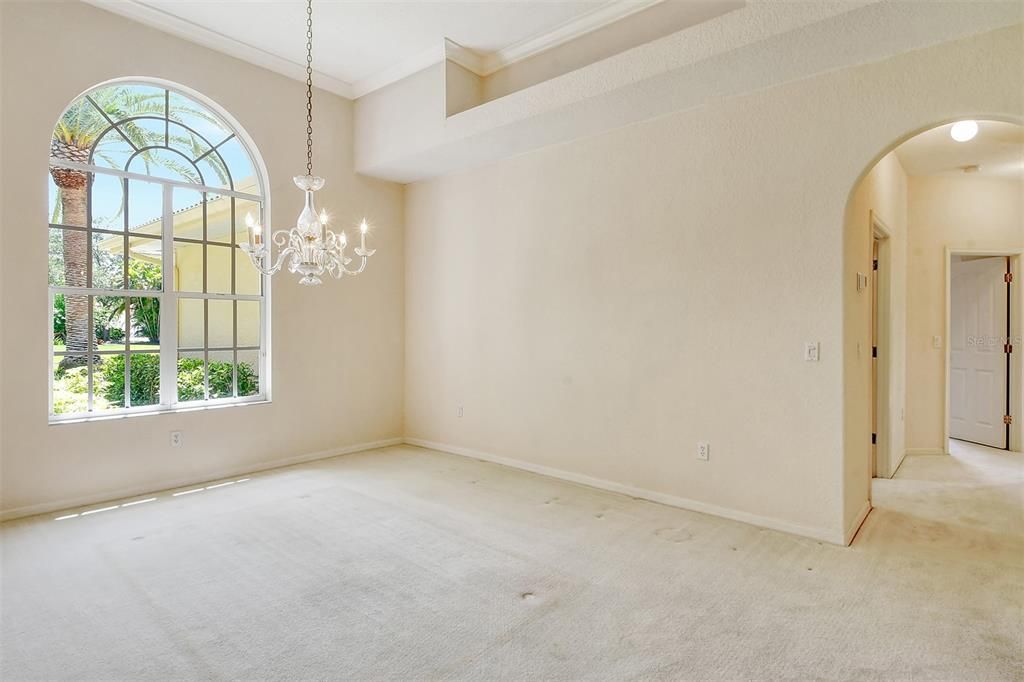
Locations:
(931, 200)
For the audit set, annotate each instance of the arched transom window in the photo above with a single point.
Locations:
(154, 305)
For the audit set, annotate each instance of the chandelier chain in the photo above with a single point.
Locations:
(309, 87)
(309, 249)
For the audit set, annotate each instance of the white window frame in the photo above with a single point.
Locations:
(169, 305)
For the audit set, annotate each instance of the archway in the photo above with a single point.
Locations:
(926, 199)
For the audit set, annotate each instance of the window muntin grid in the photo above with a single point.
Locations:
(105, 274)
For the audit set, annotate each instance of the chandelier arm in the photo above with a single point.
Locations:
(362, 266)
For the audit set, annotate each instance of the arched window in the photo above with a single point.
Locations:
(154, 306)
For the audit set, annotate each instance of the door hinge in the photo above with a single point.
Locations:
(874, 351)
(874, 438)
(874, 264)
(1008, 277)
(1007, 419)
(1007, 347)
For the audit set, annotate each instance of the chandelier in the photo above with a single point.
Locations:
(309, 248)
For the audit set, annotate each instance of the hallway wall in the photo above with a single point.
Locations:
(882, 193)
(960, 211)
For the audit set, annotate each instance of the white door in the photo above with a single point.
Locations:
(978, 362)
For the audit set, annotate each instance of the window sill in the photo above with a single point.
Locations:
(59, 420)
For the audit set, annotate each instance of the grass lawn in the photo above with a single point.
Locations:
(60, 348)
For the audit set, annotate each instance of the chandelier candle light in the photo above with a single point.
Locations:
(310, 248)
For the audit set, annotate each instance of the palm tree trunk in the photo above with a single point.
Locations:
(73, 186)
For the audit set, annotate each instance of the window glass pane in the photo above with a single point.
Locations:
(145, 206)
(199, 118)
(187, 141)
(107, 260)
(71, 327)
(188, 266)
(144, 322)
(108, 317)
(125, 100)
(108, 375)
(145, 264)
(146, 132)
(248, 323)
(107, 202)
(248, 280)
(70, 387)
(244, 207)
(218, 269)
(240, 166)
(112, 150)
(221, 321)
(218, 218)
(221, 374)
(191, 323)
(191, 376)
(67, 257)
(56, 256)
(165, 163)
(215, 173)
(248, 372)
(188, 213)
(144, 377)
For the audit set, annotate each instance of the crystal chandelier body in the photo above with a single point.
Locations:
(309, 249)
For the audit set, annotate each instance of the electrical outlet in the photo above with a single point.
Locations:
(703, 450)
(811, 351)
(458, 411)
(176, 439)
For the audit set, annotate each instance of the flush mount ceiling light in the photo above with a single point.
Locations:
(310, 249)
(964, 131)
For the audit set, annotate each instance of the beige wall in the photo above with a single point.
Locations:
(601, 306)
(959, 212)
(881, 196)
(337, 350)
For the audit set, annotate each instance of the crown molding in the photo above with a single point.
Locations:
(486, 64)
(200, 35)
(480, 64)
(399, 71)
(606, 14)
(465, 57)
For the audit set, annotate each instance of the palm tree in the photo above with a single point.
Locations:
(73, 139)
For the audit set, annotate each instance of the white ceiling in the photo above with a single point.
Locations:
(998, 151)
(361, 46)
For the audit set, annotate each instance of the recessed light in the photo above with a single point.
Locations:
(963, 131)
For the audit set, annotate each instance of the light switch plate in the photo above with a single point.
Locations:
(811, 351)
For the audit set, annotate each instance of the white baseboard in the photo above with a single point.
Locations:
(230, 472)
(857, 522)
(925, 451)
(833, 536)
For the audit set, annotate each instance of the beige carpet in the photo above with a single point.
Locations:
(406, 564)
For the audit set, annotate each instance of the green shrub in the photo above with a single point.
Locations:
(190, 379)
(145, 379)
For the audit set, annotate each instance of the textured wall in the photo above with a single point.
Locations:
(600, 306)
(337, 350)
(959, 212)
(882, 194)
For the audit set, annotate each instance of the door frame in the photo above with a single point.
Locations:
(882, 364)
(1014, 386)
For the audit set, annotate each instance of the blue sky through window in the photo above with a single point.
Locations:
(124, 103)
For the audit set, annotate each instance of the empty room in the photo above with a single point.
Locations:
(511, 340)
